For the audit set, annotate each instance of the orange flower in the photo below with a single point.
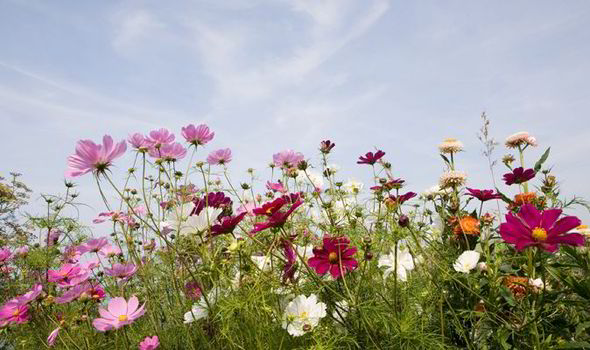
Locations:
(522, 198)
(518, 285)
(466, 225)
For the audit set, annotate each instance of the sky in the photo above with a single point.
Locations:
(285, 74)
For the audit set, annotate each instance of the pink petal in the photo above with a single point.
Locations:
(118, 306)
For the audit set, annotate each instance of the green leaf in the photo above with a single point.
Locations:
(542, 160)
(575, 345)
(445, 159)
(504, 198)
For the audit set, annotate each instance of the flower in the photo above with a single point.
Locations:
(201, 308)
(371, 158)
(118, 314)
(335, 256)
(159, 137)
(326, 146)
(68, 275)
(467, 261)
(450, 145)
(184, 221)
(518, 176)
(153, 342)
(110, 251)
(303, 314)
(276, 187)
(20, 251)
(287, 159)
(531, 227)
(394, 200)
(263, 262)
(518, 285)
(192, 290)
(93, 245)
(5, 255)
(432, 192)
(199, 135)
(30, 295)
(452, 178)
(87, 289)
(483, 195)
(353, 186)
(92, 157)
(520, 139)
(169, 152)
(276, 217)
(13, 311)
(53, 337)
(467, 225)
(139, 142)
(316, 179)
(227, 224)
(122, 271)
(405, 263)
(221, 156)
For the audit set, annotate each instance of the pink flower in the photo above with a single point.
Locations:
(139, 142)
(93, 245)
(287, 159)
(531, 227)
(192, 290)
(30, 295)
(221, 156)
(87, 289)
(53, 337)
(92, 157)
(335, 256)
(5, 255)
(371, 158)
(118, 314)
(71, 255)
(276, 187)
(199, 135)
(149, 343)
(13, 312)
(91, 263)
(169, 152)
(53, 236)
(68, 275)
(123, 271)
(110, 250)
(22, 251)
(160, 137)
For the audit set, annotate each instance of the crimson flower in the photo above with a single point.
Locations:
(400, 199)
(290, 266)
(371, 158)
(483, 195)
(326, 146)
(276, 217)
(531, 227)
(336, 256)
(518, 176)
(227, 224)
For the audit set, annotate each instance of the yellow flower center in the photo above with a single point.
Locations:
(582, 227)
(303, 314)
(333, 257)
(539, 234)
(122, 318)
(16, 313)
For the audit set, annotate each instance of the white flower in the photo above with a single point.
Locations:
(482, 266)
(200, 309)
(467, 261)
(333, 168)
(303, 314)
(353, 186)
(317, 180)
(181, 220)
(263, 262)
(519, 139)
(405, 263)
(538, 284)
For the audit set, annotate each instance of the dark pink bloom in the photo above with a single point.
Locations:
(30, 295)
(139, 142)
(169, 152)
(53, 337)
(287, 159)
(92, 157)
(5, 255)
(13, 312)
(118, 314)
(93, 245)
(389, 185)
(400, 199)
(326, 146)
(290, 266)
(531, 227)
(276, 217)
(221, 156)
(371, 158)
(199, 135)
(212, 199)
(159, 137)
(87, 289)
(483, 195)
(336, 256)
(192, 290)
(227, 224)
(122, 271)
(149, 343)
(518, 176)
(276, 187)
(68, 275)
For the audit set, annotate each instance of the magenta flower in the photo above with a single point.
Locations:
(276, 217)
(92, 157)
(149, 343)
(227, 224)
(199, 135)
(5, 255)
(290, 266)
(159, 137)
(326, 146)
(68, 275)
(31, 295)
(371, 158)
(192, 290)
(139, 142)
(518, 176)
(400, 199)
(169, 152)
(276, 187)
(13, 312)
(86, 290)
(221, 156)
(53, 336)
(93, 245)
(483, 195)
(336, 256)
(22, 251)
(118, 314)
(287, 159)
(122, 271)
(531, 227)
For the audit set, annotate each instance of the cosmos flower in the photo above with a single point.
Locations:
(371, 158)
(160, 137)
(303, 314)
(336, 256)
(227, 224)
(93, 245)
(276, 217)
(483, 195)
(89, 290)
(5, 255)
(276, 187)
(405, 263)
(201, 308)
(199, 135)
(150, 343)
(353, 186)
(139, 142)
(110, 250)
(169, 152)
(326, 146)
(531, 227)
(287, 159)
(467, 261)
(118, 314)
(68, 275)
(219, 157)
(92, 157)
(518, 176)
(13, 311)
(122, 271)
(53, 336)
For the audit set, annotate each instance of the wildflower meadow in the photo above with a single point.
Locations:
(305, 259)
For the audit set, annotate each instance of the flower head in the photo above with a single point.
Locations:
(520, 139)
(405, 263)
(199, 135)
(518, 176)
(5, 255)
(93, 245)
(303, 314)
(92, 157)
(287, 159)
(483, 195)
(122, 271)
(53, 336)
(276, 217)
(221, 156)
(149, 343)
(159, 137)
(371, 158)
(467, 225)
(336, 256)
(450, 145)
(169, 152)
(68, 275)
(227, 224)
(13, 311)
(139, 142)
(531, 227)
(452, 179)
(467, 261)
(118, 314)
(326, 146)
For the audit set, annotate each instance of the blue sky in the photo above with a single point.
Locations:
(271, 75)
